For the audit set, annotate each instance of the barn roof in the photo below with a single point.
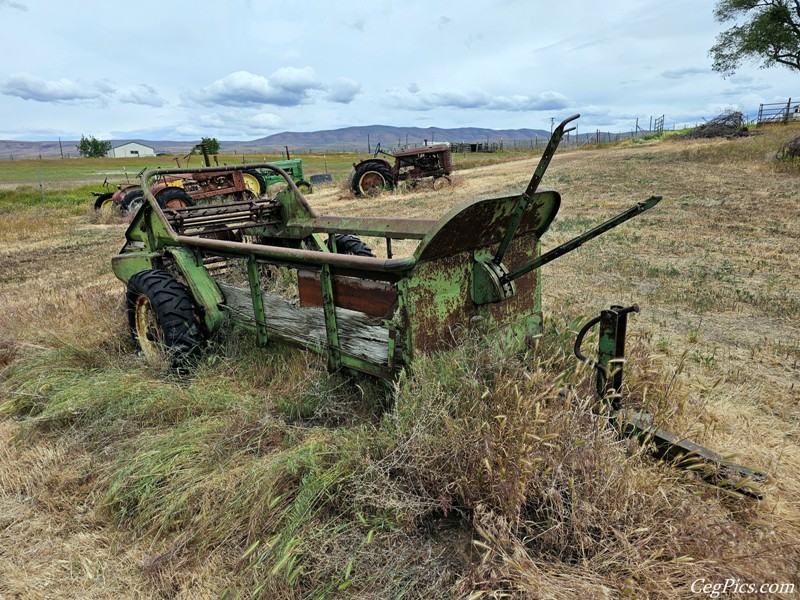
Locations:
(120, 144)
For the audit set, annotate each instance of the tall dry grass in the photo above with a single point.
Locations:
(484, 473)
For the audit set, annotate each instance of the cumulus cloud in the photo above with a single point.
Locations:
(414, 99)
(29, 87)
(12, 4)
(343, 90)
(141, 94)
(287, 86)
(262, 122)
(295, 80)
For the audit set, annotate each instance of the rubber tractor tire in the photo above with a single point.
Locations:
(104, 201)
(132, 202)
(174, 197)
(371, 177)
(350, 244)
(255, 182)
(162, 318)
(304, 186)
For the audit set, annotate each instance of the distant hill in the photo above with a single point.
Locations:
(389, 137)
(349, 139)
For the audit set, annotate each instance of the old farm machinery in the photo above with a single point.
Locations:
(375, 174)
(191, 269)
(187, 187)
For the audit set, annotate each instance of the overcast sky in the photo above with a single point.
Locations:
(243, 69)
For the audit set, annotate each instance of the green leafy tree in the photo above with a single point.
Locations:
(765, 31)
(91, 147)
(211, 144)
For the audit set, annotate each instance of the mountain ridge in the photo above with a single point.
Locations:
(348, 139)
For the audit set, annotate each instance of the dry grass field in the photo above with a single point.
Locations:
(260, 475)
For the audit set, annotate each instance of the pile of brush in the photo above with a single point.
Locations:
(728, 124)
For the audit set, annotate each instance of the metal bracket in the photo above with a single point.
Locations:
(611, 351)
(682, 453)
(489, 283)
(254, 277)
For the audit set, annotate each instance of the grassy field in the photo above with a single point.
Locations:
(483, 474)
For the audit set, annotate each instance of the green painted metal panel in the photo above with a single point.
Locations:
(205, 291)
(127, 265)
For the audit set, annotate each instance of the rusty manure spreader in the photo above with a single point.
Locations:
(293, 276)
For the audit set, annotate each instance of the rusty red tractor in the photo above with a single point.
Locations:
(179, 190)
(375, 174)
(128, 198)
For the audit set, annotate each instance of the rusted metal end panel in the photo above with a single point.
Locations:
(370, 297)
(484, 222)
(436, 303)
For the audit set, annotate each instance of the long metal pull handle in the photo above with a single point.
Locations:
(547, 156)
(561, 250)
(525, 199)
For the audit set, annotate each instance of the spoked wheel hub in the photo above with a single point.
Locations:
(148, 332)
(370, 181)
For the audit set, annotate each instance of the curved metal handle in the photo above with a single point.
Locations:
(579, 342)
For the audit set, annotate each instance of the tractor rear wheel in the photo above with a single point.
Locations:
(161, 318)
(255, 182)
(132, 202)
(104, 201)
(371, 177)
(174, 197)
(350, 244)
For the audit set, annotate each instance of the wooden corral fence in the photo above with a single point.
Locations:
(477, 146)
(779, 112)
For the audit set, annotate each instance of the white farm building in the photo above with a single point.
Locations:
(130, 149)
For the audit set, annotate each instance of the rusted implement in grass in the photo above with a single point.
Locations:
(293, 276)
(681, 452)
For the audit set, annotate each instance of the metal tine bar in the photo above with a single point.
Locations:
(576, 242)
(213, 209)
(219, 228)
(244, 215)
